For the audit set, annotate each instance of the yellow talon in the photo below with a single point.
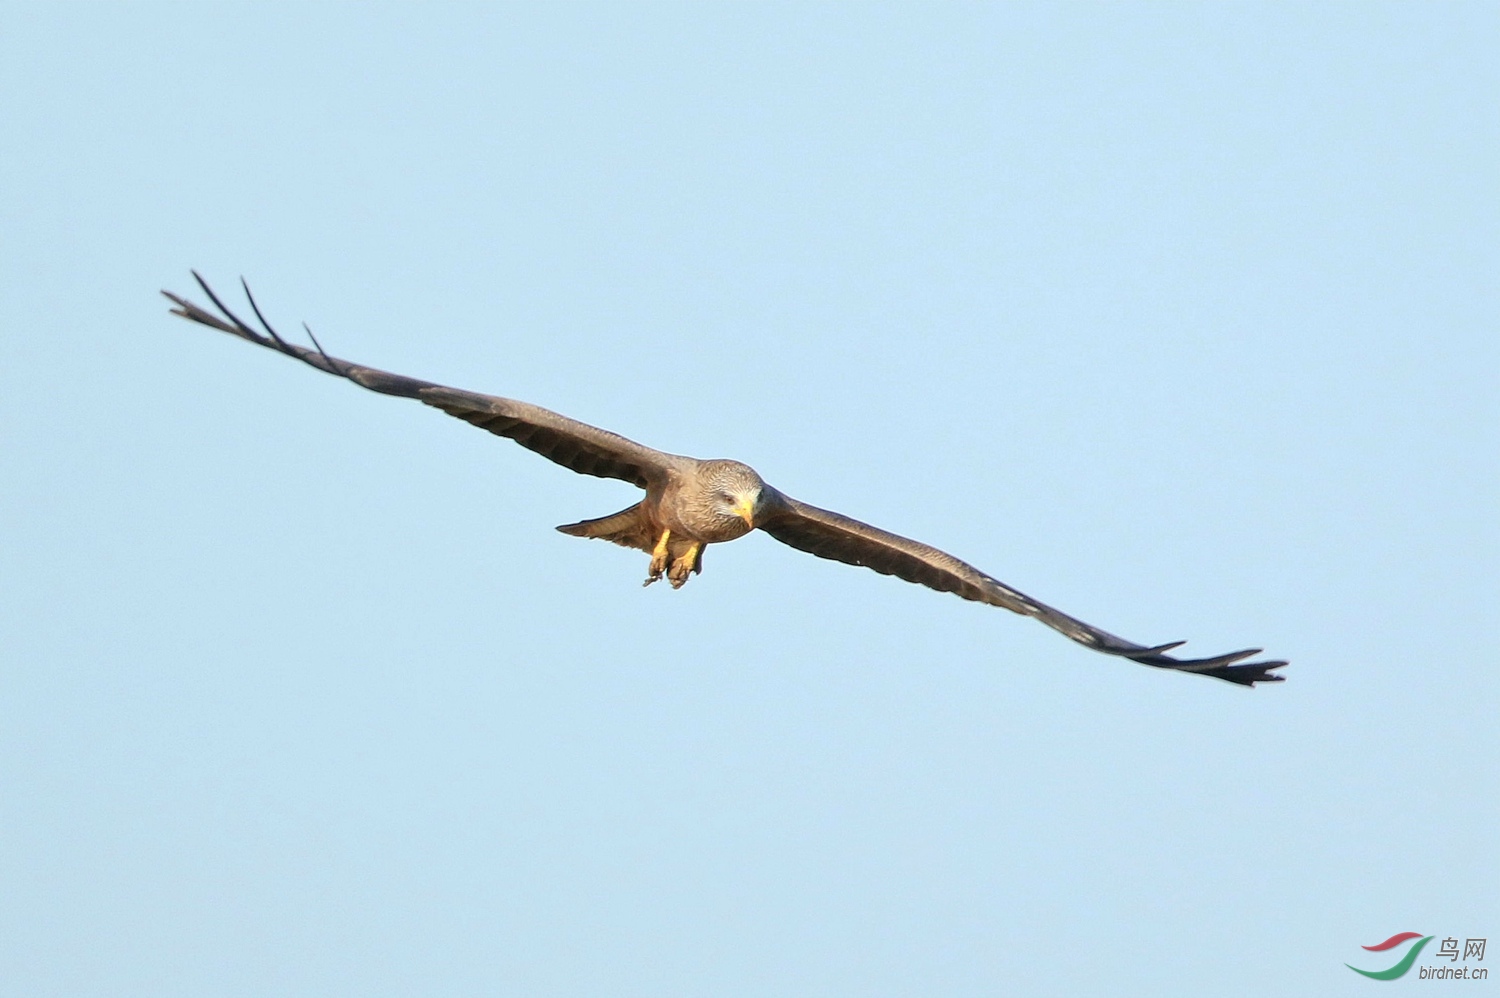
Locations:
(683, 567)
(658, 559)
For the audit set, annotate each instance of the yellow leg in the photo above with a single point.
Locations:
(658, 559)
(683, 567)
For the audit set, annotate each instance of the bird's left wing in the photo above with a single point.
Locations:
(841, 538)
(575, 445)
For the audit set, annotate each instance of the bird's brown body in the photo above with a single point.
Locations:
(697, 504)
(690, 503)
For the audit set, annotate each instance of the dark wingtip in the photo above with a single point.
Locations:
(194, 313)
(255, 307)
(1248, 674)
(1203, 664)
(182, 306)
(1219, 666)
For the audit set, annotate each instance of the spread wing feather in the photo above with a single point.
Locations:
(576, 446)
(841, 538)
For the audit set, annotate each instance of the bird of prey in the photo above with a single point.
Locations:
(690, 504)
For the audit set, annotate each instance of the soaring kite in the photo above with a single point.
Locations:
(690, 504)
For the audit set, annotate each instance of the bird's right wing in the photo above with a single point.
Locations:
(576, 446)
(842, 538)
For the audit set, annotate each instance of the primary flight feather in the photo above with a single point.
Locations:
(690, 504)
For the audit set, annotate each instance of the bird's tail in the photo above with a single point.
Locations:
(627, 527)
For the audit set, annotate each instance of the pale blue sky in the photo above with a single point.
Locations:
(1182, 318)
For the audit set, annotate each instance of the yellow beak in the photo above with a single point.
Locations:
(745, 507)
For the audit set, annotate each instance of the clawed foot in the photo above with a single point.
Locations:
(690, 562)
(659, 560)
(657, 570)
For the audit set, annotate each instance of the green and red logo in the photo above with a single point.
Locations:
(1448, 949)
(1402, 965)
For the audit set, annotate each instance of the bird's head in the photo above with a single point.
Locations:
(736, 491)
